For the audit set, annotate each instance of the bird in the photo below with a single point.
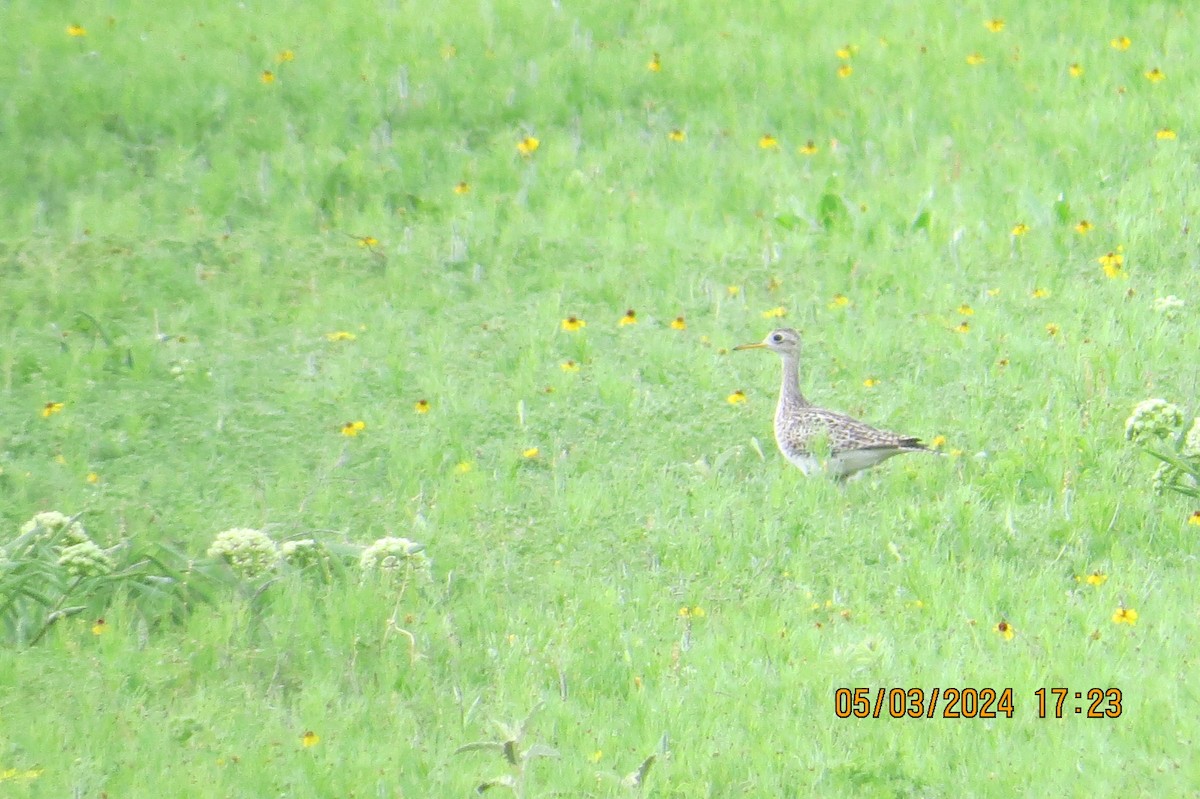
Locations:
(805, 432)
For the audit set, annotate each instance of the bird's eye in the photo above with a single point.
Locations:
(778, 337)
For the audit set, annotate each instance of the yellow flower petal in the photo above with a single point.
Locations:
(1124, 615)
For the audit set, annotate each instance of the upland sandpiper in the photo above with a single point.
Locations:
(806, 434)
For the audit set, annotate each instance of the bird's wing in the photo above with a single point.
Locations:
(848, 433)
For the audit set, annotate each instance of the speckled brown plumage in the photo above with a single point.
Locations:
(805, 433)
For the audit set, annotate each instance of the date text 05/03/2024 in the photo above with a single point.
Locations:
(973, 703)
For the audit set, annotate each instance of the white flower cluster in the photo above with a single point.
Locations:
(1168, 306)
(77, 552)
(47, 524)
(391, 555)
(85, 559)
(1191, 441)
(302, 553)
(250, 553)
(1171, 478)
(1153, 419)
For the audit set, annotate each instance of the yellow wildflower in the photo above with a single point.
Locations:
(1194, 518)
(464, 466)
(1112, 263)
(1124, 615)
(938, 442)
(994, 25)
(966, 310)
(963, 327)
(1075, 70)
(351, 429)
(768, 142)
(573, 323)
(309, 738)
(267, 76)
(774, 313)
(654, 64)
(1155, 75)
(340, 335)
(1165, 134)
(1052, 329)
(1006, 630)
(1096, 578)
(1020, 229)
(839, 301)
(569, 366)
(677, 135)
(462, 187)
(532, 452)
(975, 59)
(630, 318)
(92, 478)
(1083, 227)
(285, 56)
(678, 323)
(845, 53)
(1120, 43)
(100, 627)
(528, 146)
(421, 406)
(845, 71)
(870, 382)
(808, 148)
(76, 30)
(736, 397)
(367, 241)
(1040, 294)
(51, 408)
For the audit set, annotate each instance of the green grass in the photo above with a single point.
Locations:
(180, 237)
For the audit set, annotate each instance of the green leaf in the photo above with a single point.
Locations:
(832, 211)
(1062, 211)
(637, 778)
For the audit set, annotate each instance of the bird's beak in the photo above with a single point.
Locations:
(756, 346)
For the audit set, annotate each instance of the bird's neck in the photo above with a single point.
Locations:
(790, 395)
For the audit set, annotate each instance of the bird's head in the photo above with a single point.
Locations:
(784, 341)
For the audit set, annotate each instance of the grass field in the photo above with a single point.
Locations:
(231, 235)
